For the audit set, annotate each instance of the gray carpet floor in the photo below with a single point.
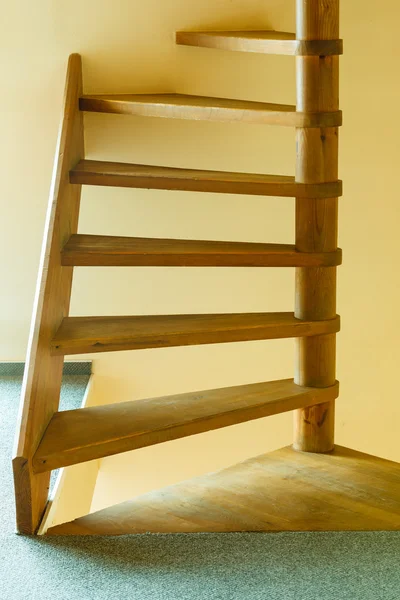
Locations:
(250, 566)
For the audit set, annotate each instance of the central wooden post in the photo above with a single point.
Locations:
(316, 220)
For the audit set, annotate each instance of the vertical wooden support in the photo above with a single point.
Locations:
(43, 372)
(316, 220)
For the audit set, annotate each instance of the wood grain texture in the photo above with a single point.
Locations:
(202, 108)
(265, 42)
(79, 335)
(75, 436)
(95, 172)
(42, 379)
(316, 223)
(281, 491)
(101, 250)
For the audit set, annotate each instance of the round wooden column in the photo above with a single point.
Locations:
(316, 220)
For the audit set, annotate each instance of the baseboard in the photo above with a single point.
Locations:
(16, 369)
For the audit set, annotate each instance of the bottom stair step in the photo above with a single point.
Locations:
(75, 436)
(284, 490)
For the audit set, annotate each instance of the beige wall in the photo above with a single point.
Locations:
(127, 46)
(73, 491)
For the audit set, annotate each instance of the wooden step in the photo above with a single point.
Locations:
(78, 335)
(202, 108)
(96, 172)
(265, 42)
(282, 491)
(102, 250)
(76, 436)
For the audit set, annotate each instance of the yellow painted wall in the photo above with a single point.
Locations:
(72, 496)
(128, 46)
(73, 491)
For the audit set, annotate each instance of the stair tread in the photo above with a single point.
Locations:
(262, 41)
(100, 250)
(284, 490)
(76, 436)
(185, 106)
(93, 172)
(78, 335)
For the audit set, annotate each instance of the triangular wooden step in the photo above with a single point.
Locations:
(281, 491)
(75, 436)
(265, 42)
(203, 108)
(78, 335)
(101, 250)
(96, 172)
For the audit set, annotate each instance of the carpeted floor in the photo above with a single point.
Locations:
(287, 566)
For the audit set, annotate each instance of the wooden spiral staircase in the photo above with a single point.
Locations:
(312, 486)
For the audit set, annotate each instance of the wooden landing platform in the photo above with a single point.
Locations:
(284, 490)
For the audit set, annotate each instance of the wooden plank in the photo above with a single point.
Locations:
(202, 108)
(281, 491)
(265, 42)
(95, 172)
(316, 222)
(42, 379)
(76, 436)
(101, 250)
(78, 335)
